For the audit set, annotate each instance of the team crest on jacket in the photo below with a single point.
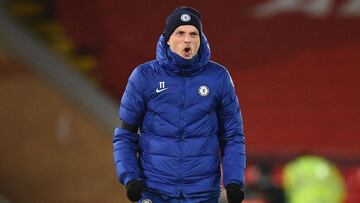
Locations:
(203, 90)
(146, 201)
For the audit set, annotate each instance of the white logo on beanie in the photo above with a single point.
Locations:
(185, 17)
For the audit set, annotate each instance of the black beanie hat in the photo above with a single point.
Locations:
(182, 16)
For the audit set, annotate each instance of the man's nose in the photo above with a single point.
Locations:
(187, 39)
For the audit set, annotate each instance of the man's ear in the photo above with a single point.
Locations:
(168, 43)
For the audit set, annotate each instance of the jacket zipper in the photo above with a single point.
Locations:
(182, 130)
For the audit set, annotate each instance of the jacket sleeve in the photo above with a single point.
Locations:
(231, 138)
(125, 142)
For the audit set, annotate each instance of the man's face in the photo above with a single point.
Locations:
(185, 41)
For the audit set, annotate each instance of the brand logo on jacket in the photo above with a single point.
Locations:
(146, 201)
(185, 17)
(161, 87)
(203, 90)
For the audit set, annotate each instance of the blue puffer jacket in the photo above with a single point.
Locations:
(189, 121)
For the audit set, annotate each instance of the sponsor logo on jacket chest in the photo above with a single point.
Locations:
(161, 87)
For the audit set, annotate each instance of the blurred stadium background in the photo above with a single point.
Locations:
(64, 65)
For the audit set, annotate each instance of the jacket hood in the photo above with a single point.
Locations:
(164, 58)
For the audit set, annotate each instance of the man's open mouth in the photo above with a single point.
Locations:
(187, 49)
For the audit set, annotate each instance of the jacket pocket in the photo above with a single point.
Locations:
(214, 124)
(147, 125)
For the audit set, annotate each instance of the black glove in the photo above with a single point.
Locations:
(234, 193)
(134, 189)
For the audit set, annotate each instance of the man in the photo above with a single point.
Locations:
(187, 111)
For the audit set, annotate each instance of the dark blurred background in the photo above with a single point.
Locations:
(64, 65)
